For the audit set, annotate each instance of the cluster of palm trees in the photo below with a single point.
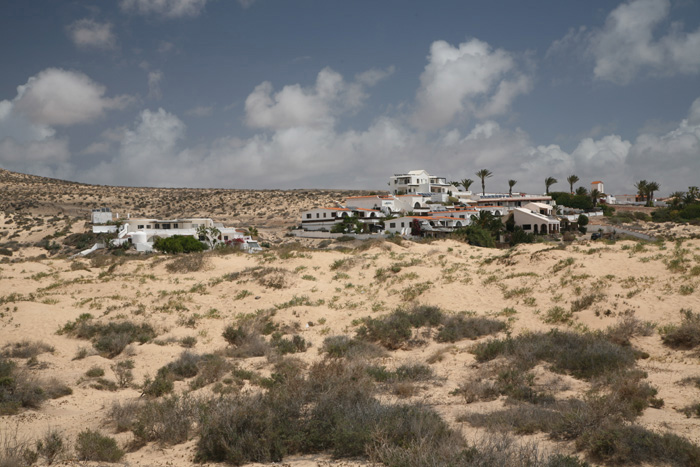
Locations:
(483, 174)
(646, 190)
(684, 198)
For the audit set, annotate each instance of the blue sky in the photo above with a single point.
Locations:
(330, 94)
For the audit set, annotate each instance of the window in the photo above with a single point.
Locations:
(392, 225)
(148, 226)
(166, 226)
(324, 215)
(225, 237)
(318, 215)
(174, 226)
(139, 227)
(334, 214)
(527, 227)
(157, 226)
(402, 225)
(308, 216)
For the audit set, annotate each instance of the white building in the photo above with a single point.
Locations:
(436, 224)
(101, 216)
(142, 232)
(598, 185)
(327, 218)
(418, 181)
(536, 218)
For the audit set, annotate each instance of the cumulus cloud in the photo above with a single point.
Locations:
(55, 97)
(469, 79)
(87, 33)
(154, 79)
(295, 105)
(636, 39)
(59, 97)
(164, 8)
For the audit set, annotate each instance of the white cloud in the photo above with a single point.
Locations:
(28, 139)
(154, 79)
(200, 111)
(295, 106)
(165, 8)
(635, 40)
(471, 78)
(87, 33)
(59, 97)
(374, 76)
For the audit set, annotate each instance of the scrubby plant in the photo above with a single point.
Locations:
(583, 355)
(18, 389)
(351, 348)
(686, 335)
(93, 446)
(111, 338)
(456, 328)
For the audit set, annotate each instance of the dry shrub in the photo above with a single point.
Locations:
(27, 349)
(191, 262)
(94, 446)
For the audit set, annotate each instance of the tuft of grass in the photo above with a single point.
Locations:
(191, 262)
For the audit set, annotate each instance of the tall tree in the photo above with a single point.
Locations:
(549, 181)
(466, 183)
(581, 191)
(651, 188)
(692, 195)
(572, 179)
(511, 184)
(641, 187)
(483, 174)
(594, 196)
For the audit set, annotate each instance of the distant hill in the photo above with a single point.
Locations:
(42, 196)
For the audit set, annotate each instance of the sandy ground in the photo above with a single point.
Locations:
(40, 293)
(454, 276)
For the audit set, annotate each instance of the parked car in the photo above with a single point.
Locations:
(596, 236)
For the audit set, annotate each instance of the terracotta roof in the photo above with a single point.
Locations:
(596, 182)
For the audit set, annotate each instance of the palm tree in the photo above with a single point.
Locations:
(466, 183)
(549, 181)
(677, 198)
(641, 187)
(692, 195)
(572, 179)
(594, 196)
(483, 174)
(511, 184)
(651, 188)
(581, 191)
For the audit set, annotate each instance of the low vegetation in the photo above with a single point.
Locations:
(395, 330)
(109, 339)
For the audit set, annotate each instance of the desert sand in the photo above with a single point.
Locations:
(317, 293)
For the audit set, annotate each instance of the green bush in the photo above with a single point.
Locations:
(93, 446)
(178, 244)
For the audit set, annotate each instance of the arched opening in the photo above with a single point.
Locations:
(534, 227)
(544, 229)
(458, 224)
(345, 214)
(416, 206)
